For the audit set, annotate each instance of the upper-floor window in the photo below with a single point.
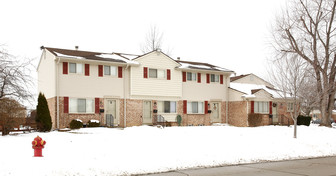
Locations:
(156, 73)
(214, 78)
(110, 70)
(81, 105)
(290, 107)
(75, 68)
(261, 107)
(195, 107)
(191, 76)
(166, 106)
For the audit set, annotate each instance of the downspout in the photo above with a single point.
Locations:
(227, 103)
(57, 94)
(125, 96)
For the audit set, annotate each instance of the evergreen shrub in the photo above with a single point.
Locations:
(303, 120)
(93, 123)
(76, 124)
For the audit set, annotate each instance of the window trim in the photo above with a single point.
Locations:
(157, 73)
(257, 104)
(86, 99)
(291, 105)
(76, 73)
(110, 75)
(198, 105)
(215, 75)
(192, 73)
(163, 104)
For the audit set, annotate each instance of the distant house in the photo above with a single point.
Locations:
(316, 115)
(249, 94)
(129, 90)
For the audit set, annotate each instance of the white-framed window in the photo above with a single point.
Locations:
(156, 73)
(195, 107)
(261, 107)
(110, 70)
(166, 106)
(81, 105)
(290, 107)
(76, 68)
(191, 76)
(214, 78)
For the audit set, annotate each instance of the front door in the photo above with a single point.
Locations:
(110, 113)
(275, 114)
(215, 112)
(147, 112)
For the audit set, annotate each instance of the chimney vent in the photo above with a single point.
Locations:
(178, 58)
(76, 47)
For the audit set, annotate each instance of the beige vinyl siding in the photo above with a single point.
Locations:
(79, 85)
(235, 95)
(141, 86)
(46, 74)
(192, 90)
(252, 79)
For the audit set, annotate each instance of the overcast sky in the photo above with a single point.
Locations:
(231, 34)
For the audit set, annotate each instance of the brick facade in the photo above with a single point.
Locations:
(238, 113)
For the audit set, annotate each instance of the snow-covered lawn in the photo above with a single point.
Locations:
(137, 150)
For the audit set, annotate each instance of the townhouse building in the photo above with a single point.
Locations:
(130, 90)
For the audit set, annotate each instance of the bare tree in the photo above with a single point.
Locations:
(154, 41)
(15, 77)
(15, 86)
(307, 28)
(288, 75)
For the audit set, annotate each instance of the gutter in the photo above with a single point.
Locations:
(57, 94)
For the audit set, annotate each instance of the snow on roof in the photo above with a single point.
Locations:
(199, 65)
(117, 57)
(248, 89)
(68, 56)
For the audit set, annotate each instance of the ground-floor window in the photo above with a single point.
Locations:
(195, 107)
(81, 105)
(261, 107)
(166, 106)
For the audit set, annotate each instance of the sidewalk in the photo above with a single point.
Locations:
(314, 167)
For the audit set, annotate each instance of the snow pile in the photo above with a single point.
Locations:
(94, 121)
(137, 150)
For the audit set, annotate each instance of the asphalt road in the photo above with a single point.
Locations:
(316, 167)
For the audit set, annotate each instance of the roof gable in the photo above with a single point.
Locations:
(158, 53)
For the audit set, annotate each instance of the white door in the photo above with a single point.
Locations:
(110, 113)
(147, 112)
(215, 112)
(275, 115)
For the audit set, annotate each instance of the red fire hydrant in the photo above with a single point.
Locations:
(38, 145)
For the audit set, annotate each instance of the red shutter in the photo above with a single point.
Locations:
(221, 79)
(208, 78)
(184, 106)
(184, 76)
(87, 69)
(119, 72)
(252, 106)
(65, 68)
(199, 77)
(205, 107)
(100, 70)
(270, 107)
(168, 74)
(66, 104)
(96, 105)
(145, 72)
